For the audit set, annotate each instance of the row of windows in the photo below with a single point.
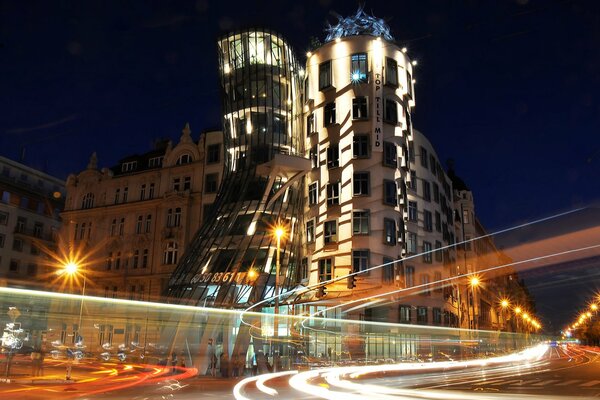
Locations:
(213, 156)
(15, 267)
(360, 149)
(361, 187)
(19, 245)
(361, 222)
(41, 207)
(359, 73)
(422, 317)
(360, 111)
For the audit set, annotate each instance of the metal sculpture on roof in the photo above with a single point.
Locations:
(359, 24)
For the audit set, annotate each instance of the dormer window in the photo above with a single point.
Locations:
(184, 159)
(155, 162)
(128, 166)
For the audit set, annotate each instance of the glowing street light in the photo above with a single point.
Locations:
(279, 232)
(594, 307)
(504, 303)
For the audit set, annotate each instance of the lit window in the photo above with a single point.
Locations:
(310, 231)
(404, 311)
(310, 124)
(314, 156)
(358, 68)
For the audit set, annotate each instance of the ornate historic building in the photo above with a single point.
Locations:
(135, 220)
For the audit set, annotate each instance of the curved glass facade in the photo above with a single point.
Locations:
(231, 261)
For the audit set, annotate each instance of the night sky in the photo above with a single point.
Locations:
(508, 89)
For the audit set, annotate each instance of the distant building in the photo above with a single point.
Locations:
(135, 220)
(29, 221)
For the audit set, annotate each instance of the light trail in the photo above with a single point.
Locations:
(259, 380)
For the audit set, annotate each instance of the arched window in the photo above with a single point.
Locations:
(170, 255)
(88, 201)
(184, 159)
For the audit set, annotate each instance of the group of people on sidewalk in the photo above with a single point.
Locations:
(37, 362)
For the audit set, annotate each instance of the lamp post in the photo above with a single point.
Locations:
(474, 282)
(72, 269)
(278, 233)
(504, 303)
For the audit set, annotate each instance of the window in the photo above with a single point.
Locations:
(329, 114)
(314, 156)
(391, 72)
(424, 156)
(109, 261)
(389, 229)
(438, 221)
(113, 227)
(21, 224)
(310, 231)
(413, 180)
(436, 315)
(313, 193)
(148, 223)
(422, 315)
(360, 222)
(411, 243)
(360, 146)
(213, 153)
(465, 216)
(38, 229)
(151, 191)
(409, 84)
(3, 218)
(412, 211)
(426, 291)
(135, 259)
(2, 240)
(439, 255)
(333, 156)
(143, 192)
(82, 231)
(325, 80)
(125, 193)
(410, 276)
(17, 245)
(360, 260)
(358, 68)
(32, 269)
(14, 265)
(361, 186)
(310, 124)
(176, 184)
(333, 194)
(304, 269)
(411, 151)
(390, 192)
(177, 217)
(427, 220)
(359, 108)
(145, 258)
(155, 162)
(426, 190)
(390, 158)
(404, 314)
(170, 254)
(391, 111)
(184, 159)
(433, 163)
(117, 195)
(211, 183)
(325, 269)
(187, 183)
(388, 270)
(427, 252)
(5, 197)
(436, 192)
(118, 260)
(88, 201)
(122, 227)
(330, 232)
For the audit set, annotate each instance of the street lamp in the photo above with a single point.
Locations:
(474, 282)
(278, 232)
(504, 304)
(72, 269)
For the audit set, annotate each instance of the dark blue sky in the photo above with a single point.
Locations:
(509, 89)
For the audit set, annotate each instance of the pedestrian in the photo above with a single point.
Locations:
(35, 362)
(224, 365)
(174, 363)
(212, 359)
(41, 362)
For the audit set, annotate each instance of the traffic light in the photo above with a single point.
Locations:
(321, 291)
(351, 282)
